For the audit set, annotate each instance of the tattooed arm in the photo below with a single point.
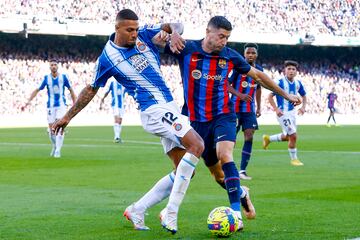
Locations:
(84, 98)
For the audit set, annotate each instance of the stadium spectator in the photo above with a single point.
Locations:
(335, 17)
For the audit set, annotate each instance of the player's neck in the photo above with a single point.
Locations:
(54, 75)
(290, 79)
(205, 47)
(118, 41)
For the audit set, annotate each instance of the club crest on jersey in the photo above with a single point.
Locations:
(222, 63)
(244, 84)
(56, 89)
(141, 46)
(177, 126)
(196, 74)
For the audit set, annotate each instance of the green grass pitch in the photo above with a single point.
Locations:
(83, 194)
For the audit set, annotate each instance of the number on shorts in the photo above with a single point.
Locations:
(169, 118)
(287, 122)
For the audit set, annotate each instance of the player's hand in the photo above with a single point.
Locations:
(59, 125)
(245, 97)
(163, 36)
(177, 43)
(301, 111)
(295, 100)
(279, 113)
(258, 113)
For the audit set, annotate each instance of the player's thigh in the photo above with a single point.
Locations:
(59, 112)
(205, 131)
(165, 120)
(224, 128)
(51, 115)
(287, 124)
(118, 112)
(249, 121)
(225, 136)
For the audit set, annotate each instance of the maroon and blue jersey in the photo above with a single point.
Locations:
(205, 79)
(331, 100)
(246, 85)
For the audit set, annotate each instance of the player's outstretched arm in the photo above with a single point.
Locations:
(86, 95)
(302, 110)
(32, 96)
(266, 82)
(73, 95)
(103, 99)
(258, 102)
(278, 112)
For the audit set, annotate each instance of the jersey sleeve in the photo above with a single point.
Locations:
(239, 62)
(102, 72)
(66, 81)
(149, 31)
(302, 91)
(43, 83)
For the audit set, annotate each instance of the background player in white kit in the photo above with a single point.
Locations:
(55, 84)
(117, 104)
(285, 111)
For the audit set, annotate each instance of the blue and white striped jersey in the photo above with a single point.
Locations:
(136, 68)
(294, 88)
(55, 89)
(117, 94)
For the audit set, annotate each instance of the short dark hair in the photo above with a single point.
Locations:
(126, 14)
(53, 60)
(220, 22)
(291, 63)
(251, 45)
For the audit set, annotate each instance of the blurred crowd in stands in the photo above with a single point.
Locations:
(21, 73)
(311, 17)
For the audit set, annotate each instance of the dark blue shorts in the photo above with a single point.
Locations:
(332, 109)
(221, 128)
(246, 120)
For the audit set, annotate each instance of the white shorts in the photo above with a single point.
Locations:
(55, 113)
(167, 122)
(288, 122)
(118, 112)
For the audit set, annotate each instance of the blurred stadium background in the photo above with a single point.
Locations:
(324, 36)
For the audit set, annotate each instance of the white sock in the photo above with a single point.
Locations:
(293, 153)
(59, 141)
(183, 175)
(157, 193)
(52, 138)
(275, 138)
(117, 128)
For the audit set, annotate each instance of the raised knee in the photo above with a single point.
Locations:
(197, 148)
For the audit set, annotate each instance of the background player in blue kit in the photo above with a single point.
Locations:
(131, 56)
(117, 103)
(286, 113)
(331, 97)
(55, 84)
(247, 90)
(205, 66)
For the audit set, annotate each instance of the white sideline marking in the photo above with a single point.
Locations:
(116, 145)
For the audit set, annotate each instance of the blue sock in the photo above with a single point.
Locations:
(232, 182)
(245, 155)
